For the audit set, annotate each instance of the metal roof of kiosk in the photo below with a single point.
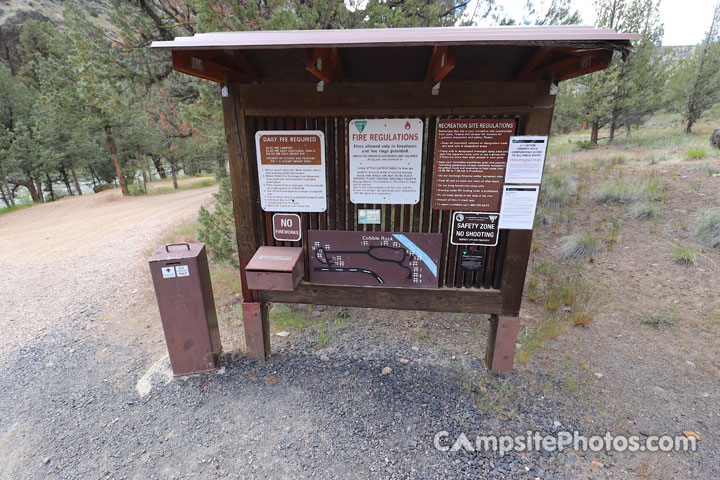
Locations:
(508, 53)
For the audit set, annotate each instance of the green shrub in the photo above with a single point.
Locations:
(558, 189)
(217, 227)
(645, 211)
(577, 246)
(708, 229)
(696, 154)
(616, 192)
(585, 145)
(657, 320)
(684, 255)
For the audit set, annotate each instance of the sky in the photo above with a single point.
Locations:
(685, 21)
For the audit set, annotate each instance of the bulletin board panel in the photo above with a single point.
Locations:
(495, 289)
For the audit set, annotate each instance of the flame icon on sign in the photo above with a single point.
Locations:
(407, 126)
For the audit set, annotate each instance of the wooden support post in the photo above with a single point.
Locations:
(500, 353)
(519, 242)
(255, 314)
(502, 336)
(257, 330)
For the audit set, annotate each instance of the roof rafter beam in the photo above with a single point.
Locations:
(540, 54)
(576, 52)
(578, 61)
(215, 66)
(442, 62)
(549, 70)
(600, 61)
(324, 63)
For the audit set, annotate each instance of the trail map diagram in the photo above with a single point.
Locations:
(374, 258)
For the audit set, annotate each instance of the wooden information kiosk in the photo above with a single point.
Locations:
(390, 168)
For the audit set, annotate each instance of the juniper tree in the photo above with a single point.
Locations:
(694, 85)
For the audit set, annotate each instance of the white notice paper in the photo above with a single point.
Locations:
(517, 209)
(168, 272)
(526, 157)
(385, 160)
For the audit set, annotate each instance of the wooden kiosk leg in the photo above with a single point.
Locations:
(257, 330)
(500, 352)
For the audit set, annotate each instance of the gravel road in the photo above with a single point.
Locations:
(84, 390)
(66, 258)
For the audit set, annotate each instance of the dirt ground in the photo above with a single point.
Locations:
(85, 391)
(654, 380)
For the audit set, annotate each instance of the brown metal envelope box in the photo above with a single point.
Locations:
(275, 268)
(187, 308)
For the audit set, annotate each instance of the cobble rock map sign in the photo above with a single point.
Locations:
(470, 158)
(385, 160)
(374, 258)
(291, 170)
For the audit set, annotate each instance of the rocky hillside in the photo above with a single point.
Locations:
(14, 14)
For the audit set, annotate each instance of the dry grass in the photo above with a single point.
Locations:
(580, 319)
(577, 246)
(708, 228)
(616, 192)
(645, 211)
(558, 189)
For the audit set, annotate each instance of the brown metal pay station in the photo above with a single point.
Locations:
(396, 168)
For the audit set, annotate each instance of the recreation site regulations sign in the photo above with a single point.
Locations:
(291, 170)
(385, 160)
(470, 158)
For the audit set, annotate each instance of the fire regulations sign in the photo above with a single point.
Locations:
(291, 170)
(475, 228)
(385, 160)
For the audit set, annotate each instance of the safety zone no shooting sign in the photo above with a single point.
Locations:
(475, 228)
